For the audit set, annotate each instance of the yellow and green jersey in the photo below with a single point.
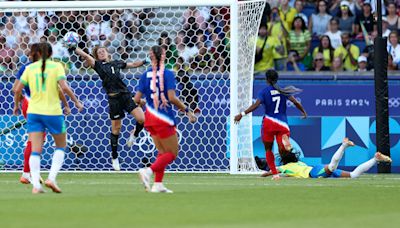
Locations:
(44, 96)
(296, 169)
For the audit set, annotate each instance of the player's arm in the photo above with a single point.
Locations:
(67, 109)
(138, 99)
(298, 105)
(179, 104)
(135, 64)
(16, 82)
(17, 97)
(66, 89)
(89, 59)
(247, 111)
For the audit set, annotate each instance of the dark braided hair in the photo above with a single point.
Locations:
(157, 56)
(34, 52)
(272, 78)
(45, 50)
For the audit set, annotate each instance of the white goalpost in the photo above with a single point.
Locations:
(210, 45)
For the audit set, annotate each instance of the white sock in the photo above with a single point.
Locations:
(337, 157)
(34, 164)
(56, 164)
(26, 175)
(364, 167)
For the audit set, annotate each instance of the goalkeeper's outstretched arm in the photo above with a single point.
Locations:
(89, 59)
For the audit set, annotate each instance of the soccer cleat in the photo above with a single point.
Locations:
(115, 164)
(197, 111)
(41, 180)
(132, 138)
(144, 176)
(347, 142)
(382, 158)
(25, 178)
(37, 191)
(276, 177)
(53, 186)
(160, 188)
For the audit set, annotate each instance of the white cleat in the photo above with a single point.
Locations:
(382, 158)
(276, 177)
(132, 138)
(160, 188)
(144, 176)
(115, 164)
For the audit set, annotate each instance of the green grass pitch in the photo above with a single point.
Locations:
(203, 200)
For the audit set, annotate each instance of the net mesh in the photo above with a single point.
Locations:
(197, 40)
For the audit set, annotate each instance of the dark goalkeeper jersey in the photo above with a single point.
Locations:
(110, 75)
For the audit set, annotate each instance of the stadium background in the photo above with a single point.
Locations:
(339, 104)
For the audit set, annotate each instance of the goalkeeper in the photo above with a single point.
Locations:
(119, 97)
(292, 167)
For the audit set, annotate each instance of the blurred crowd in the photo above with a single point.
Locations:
(195, 38)
(295, 35)
(319, 35)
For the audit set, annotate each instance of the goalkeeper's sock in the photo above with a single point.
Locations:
(337, 157)
(364, 167)
(139, 127)
(56, 164)
(160, 164)
(27, 155)
(114, 146)
(271, 161)
(34, 163)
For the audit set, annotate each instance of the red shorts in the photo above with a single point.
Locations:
(25, 104)
(271, 129)
(157, 127)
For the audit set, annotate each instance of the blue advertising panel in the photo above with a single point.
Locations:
(338, 99)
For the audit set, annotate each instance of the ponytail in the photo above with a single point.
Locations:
(288, 90)
(45, 52)
(272, 78)
(158, 56)
(44, 57)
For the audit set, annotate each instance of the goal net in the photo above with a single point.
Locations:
(210, 45)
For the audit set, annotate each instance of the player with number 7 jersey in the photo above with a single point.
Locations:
(274, 124)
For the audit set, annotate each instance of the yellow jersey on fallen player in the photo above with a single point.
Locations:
(44, 96)
(296, 169)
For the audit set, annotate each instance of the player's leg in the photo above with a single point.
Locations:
(26, 175)
(146, 173)
(171, 148)
(364, 167)
(115, 131)
(57, 162)
(56, 126)
(138, 114)
(338, 155)
(268, 139)
(35, 130)
(117, 113)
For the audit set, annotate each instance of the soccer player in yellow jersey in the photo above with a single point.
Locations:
(44, 112)
(294, 168)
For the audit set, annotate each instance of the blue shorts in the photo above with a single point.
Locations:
(39, 123)
(318, 171)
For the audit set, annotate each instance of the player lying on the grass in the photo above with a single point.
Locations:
(24, 100)
(44, 78)
(294, 168)
(119, 97)
(274, 123)
(158, 86)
